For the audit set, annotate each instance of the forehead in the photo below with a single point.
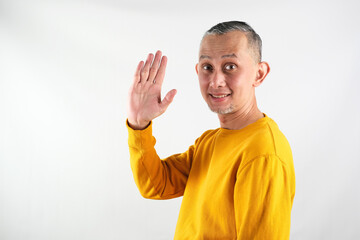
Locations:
(234, 42)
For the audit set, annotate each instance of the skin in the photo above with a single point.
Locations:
(228, 75)
(144, 101)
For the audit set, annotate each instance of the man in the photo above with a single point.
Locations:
(238, 181)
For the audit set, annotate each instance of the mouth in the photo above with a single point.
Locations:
(219, 96)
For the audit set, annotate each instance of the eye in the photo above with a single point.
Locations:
(230, 67)
(207, 67)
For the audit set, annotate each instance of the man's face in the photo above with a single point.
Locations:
(227, 73)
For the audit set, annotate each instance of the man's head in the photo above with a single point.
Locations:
(230, 67)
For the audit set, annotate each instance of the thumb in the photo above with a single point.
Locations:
(167, 99)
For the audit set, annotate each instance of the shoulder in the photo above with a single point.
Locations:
(278, 138)
(206, 140)
(266, 139)
(209, 134)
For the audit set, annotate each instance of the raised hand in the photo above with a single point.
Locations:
(144, 103)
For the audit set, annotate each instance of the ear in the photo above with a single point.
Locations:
(197, 68)
(263, 70)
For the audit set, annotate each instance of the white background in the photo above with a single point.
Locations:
(65, 69)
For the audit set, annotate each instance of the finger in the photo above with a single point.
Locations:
(155, 66)
(168, 99)
(144, 74)
(161, 72)
(137, 72)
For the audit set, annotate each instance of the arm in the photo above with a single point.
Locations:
(156, 178)
(263, 197)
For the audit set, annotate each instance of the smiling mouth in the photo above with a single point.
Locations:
(219, 96)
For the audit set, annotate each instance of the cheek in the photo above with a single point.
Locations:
(242, 80)
(203, 82)
(203, 87)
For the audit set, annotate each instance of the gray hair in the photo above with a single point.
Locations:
(253, 39)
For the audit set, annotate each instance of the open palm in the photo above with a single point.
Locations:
(144, 103)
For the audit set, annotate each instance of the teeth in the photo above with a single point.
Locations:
(219, 96)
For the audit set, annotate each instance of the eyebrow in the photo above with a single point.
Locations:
(224, 56)
(230, 56)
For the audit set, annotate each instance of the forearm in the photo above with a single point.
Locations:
(155, 178)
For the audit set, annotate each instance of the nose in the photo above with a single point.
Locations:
(217, 80)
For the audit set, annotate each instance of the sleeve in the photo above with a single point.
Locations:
(157, 178)
(263, 196)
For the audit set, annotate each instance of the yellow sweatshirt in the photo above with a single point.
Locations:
(237, 184)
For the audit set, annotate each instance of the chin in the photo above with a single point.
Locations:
(223, 111)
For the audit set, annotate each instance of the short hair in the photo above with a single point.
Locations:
(253, 39)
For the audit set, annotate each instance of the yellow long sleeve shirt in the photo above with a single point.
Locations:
(237, 184)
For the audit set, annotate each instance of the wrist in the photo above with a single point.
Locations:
(138, 126)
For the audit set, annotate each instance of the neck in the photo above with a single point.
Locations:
(241, 118)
